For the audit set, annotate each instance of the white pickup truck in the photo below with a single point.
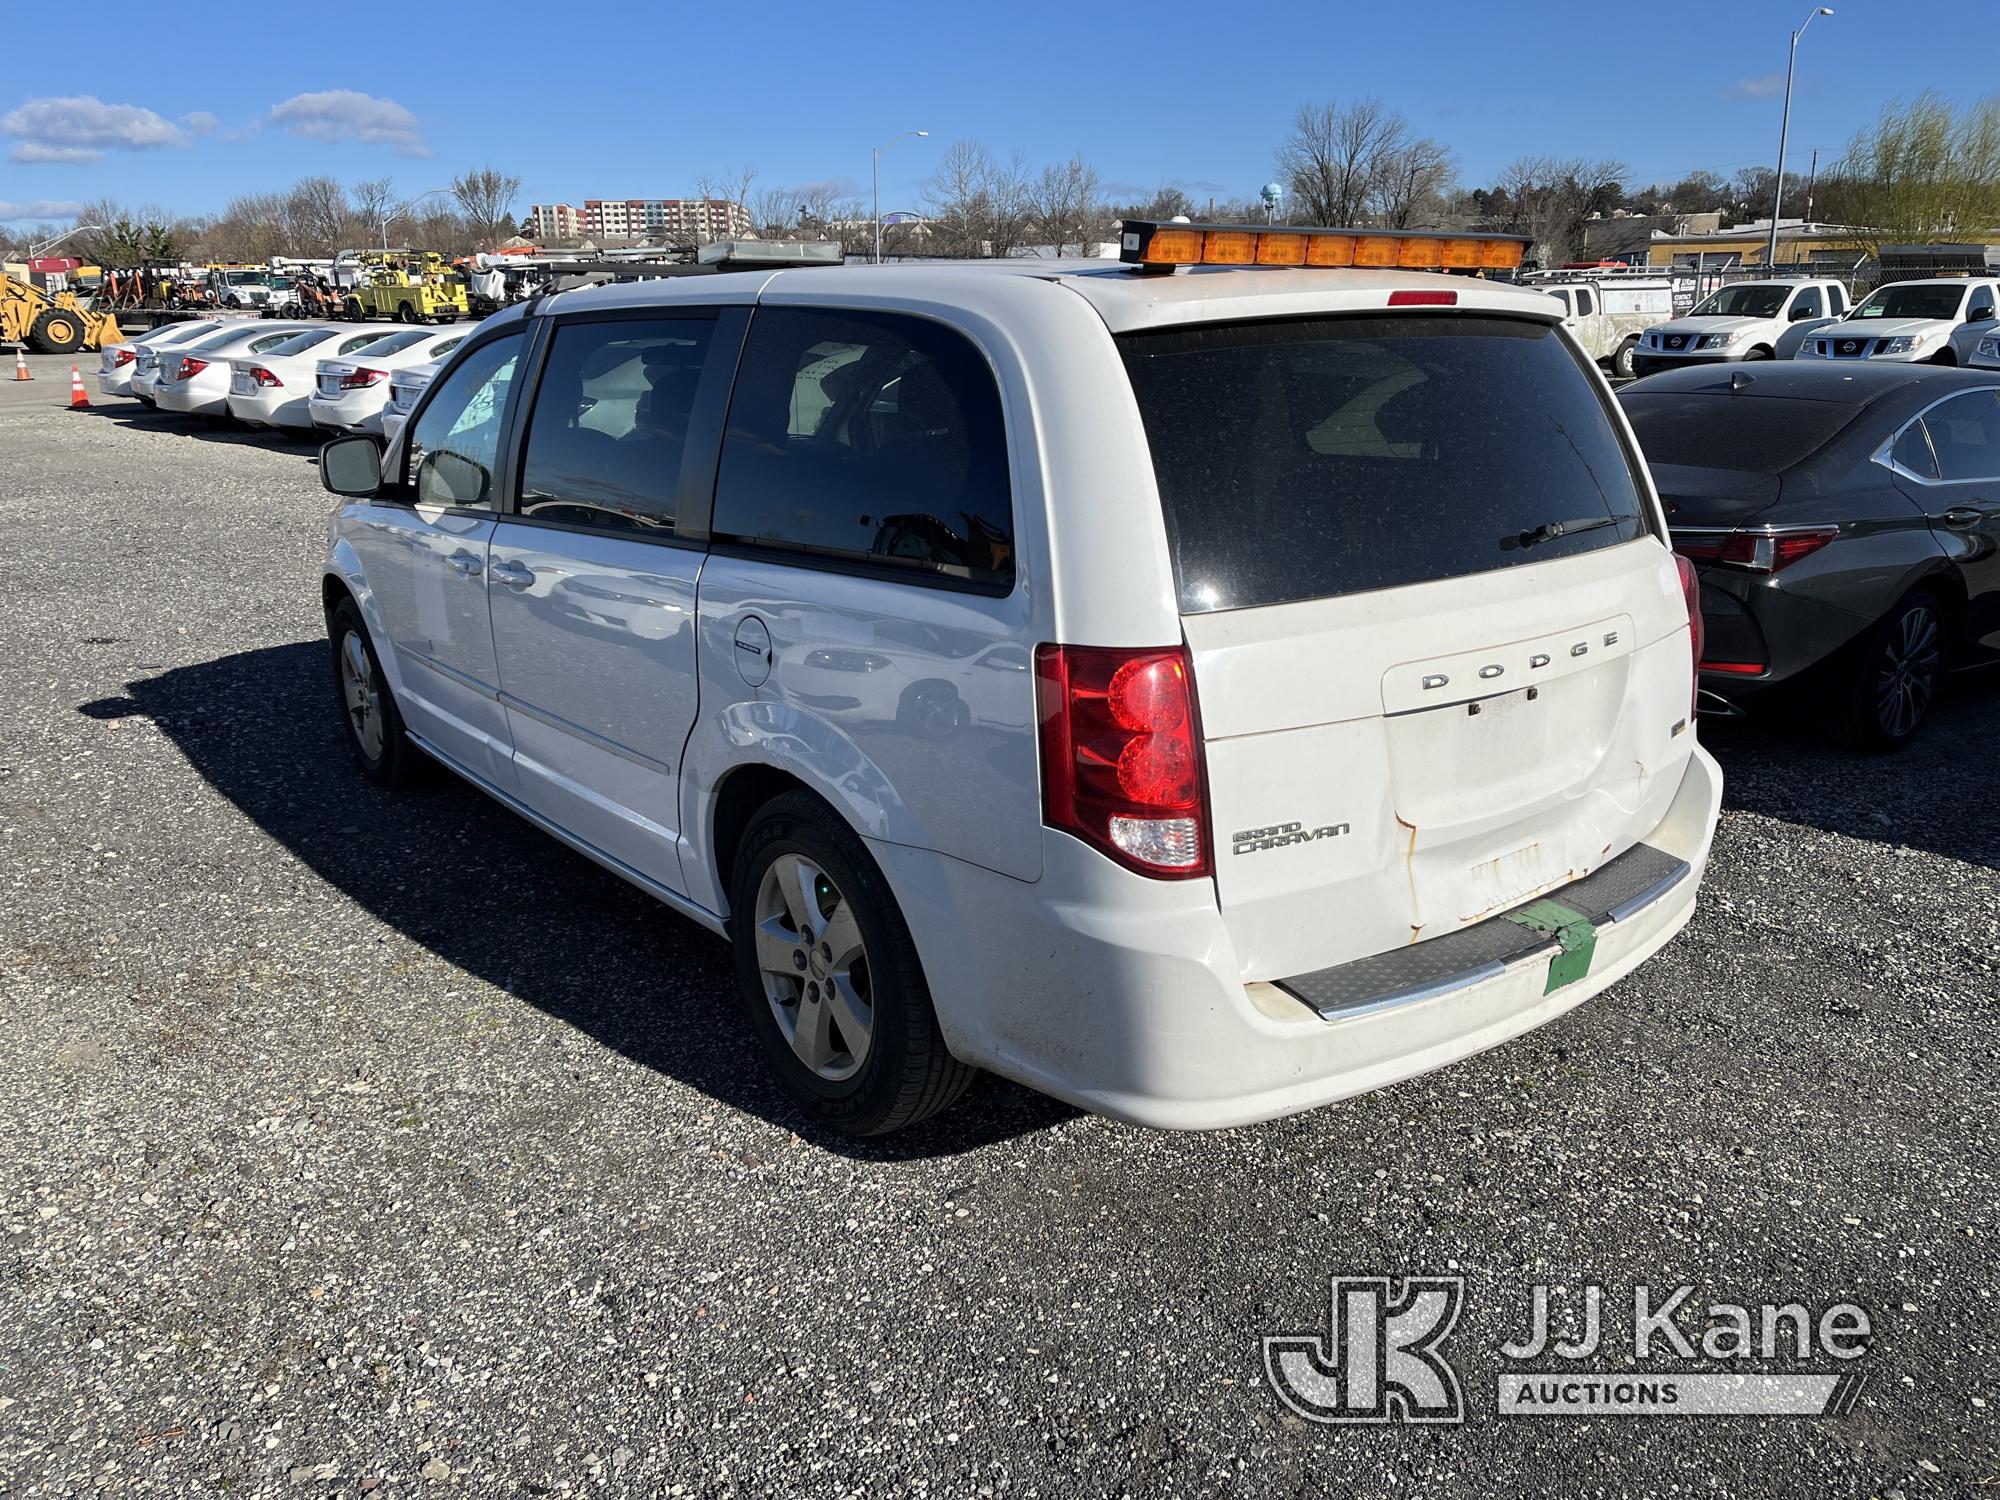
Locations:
(1766, 319)
(1608, 314)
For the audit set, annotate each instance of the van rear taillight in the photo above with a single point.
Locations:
(1691, 594)
(1121, 755)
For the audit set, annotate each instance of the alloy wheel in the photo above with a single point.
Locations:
(814, 965)
(1906, 674)
(358, 690)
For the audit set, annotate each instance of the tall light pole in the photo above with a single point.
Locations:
(35, 251)
(875, 184)
(1785, 130)
(398, 213)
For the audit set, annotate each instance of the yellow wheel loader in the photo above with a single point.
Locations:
(58, 324)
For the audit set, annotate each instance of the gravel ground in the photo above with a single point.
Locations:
(354, 1142)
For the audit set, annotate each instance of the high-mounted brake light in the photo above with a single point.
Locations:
(1161, 247)
(191, 367)
(1423, 299)
(359, 379)
(1121, 755)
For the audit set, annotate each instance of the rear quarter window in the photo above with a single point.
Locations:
(1749, 434)
(1302, 459)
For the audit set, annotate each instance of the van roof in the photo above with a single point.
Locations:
(1126, 299)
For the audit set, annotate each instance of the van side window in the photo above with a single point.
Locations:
(868, 436)
(1585, 303)
(610, 423)
(454, 444)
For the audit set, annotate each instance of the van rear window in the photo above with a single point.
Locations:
(1307, 458)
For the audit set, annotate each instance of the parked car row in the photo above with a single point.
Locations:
(284, 375)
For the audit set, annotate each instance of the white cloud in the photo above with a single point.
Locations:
(345, 115)
(199, 122)
(80, 128)
(1768, 86)
(38, 210)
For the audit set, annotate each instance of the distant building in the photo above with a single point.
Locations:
(655, 218)
(555, 221)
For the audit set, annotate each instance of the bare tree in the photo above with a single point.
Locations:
(1550, 198)
(319, 218)
(1063, 202)
(1411, 179)
(1330, 160)
(730, 185)
(486, 200)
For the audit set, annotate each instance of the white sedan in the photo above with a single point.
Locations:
(144, 381)
(198, 381)
(350, 394)
(406, 387)
(118, 361)
(271, 389)
(1910, 322)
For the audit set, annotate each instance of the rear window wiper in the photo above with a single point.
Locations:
(1548, 531)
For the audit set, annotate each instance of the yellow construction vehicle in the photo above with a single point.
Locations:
(401, 284)
(53, 324)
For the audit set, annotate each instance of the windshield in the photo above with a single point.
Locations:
(225, 338)
(1306, 458)
(299, 343)
(1748, 434)
(1744, 302)
(1917, 299)
(398, 341)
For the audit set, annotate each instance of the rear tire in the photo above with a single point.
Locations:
(1621, 362)
(1894, 674)
(406, 313)
(374, 724)
(830, 975)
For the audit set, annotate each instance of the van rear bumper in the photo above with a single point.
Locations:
(1121, 995)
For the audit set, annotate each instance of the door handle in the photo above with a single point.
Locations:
(514, 575)
(465, 564)
(1962, 518)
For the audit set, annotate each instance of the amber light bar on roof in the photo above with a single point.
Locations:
(1164, 246)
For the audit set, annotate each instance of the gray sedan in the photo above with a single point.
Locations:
(1845, 523)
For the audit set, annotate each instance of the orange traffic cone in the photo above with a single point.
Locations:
(76, 396)
(21, 365)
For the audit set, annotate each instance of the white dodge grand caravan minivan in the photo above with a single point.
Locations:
(1199, 691)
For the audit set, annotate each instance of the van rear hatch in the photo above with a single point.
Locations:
(1440, 653)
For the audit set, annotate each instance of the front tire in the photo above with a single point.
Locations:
(830, 975)
(1758, 353)
(57, 332)
(1944, 357)
(374, 724)
(1895, 675)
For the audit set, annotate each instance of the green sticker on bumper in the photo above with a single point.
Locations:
(1576, 939)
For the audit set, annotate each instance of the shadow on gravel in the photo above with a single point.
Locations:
(134, 414)
(450, 868)
(1938, 794)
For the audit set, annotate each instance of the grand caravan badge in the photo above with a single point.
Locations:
(1278, 835)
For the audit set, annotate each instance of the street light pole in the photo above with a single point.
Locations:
(875, 184)
(400, 212)
(1785, 131)
(36, 251)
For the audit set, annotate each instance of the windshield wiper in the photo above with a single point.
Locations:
(1548, 531)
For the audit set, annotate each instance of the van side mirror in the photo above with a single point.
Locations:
(352, 466)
